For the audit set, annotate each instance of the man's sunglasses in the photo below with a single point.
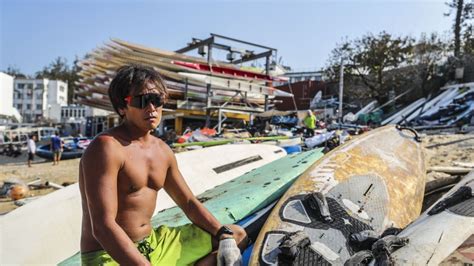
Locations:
(142, 101)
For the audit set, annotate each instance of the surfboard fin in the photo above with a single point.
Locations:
(318, 203)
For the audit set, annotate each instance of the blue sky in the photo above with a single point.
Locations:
(34, 32)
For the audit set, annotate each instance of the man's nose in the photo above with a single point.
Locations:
(151, 106)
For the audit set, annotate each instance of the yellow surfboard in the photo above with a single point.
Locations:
(374, 182)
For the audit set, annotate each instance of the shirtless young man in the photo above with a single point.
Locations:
(120, 175)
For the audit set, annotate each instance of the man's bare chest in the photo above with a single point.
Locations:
(143, 170)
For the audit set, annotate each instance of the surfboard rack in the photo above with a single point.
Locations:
(416, 138)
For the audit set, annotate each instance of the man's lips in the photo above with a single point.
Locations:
(151, 116)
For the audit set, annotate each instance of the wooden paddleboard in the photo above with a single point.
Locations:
(47, 230)
(439, 231)
(373, 182)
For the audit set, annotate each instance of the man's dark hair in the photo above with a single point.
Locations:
(131, 78)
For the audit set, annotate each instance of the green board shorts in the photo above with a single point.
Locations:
(182, 245)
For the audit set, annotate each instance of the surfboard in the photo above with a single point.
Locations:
(235, 85)
(441, 229)
(245, 195)
(230, 71)
(225, 141)
(47, 230)
(372, 182)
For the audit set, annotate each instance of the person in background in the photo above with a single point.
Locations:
(56, 148)
(31, 145)
(310, 123)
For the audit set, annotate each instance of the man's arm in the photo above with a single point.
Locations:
(176, 187)
(100, 165)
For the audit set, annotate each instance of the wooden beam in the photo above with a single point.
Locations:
(178, 125)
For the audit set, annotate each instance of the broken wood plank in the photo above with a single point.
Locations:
(453, 170)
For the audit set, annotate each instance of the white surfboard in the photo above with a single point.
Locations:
(47, 230)
(233, 84)
(433, 237)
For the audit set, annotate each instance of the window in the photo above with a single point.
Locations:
(28, 107)
(39, 87)
(83, 113)
(75, 113)
(29, 86)
(61, 98)
(19, 106)
(39, 106)
(39, 95)
(20, 85)
(61, 88)
(62, 113)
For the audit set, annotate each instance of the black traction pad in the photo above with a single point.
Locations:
(342, 220)
(464, 208)
(307, 256)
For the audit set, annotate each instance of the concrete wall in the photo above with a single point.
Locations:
(304, 92)
(6, 90)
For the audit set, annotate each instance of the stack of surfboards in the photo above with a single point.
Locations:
(373, 182)
(47, 230)
(245, 196)
(186, 76)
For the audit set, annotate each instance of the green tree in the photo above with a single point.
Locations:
(468, 39)
(426, 61)
(15, 72)
(60, 70)
(370, 59)
(463, 10)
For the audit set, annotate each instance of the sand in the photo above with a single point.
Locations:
(441, 150)
(16, 169)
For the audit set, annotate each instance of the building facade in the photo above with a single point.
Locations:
(83, 120)
(7, 112)
(39, 99)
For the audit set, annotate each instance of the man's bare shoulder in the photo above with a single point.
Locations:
(163, 147)
(105, 146)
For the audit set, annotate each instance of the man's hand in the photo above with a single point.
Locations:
(228, 253)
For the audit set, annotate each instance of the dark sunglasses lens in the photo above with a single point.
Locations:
(142, 101)
(154, 99)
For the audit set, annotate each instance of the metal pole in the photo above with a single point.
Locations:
(292, 97)
(209, 93)
(186, 90)
(341, 89)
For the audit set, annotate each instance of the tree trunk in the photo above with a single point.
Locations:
(457, 27)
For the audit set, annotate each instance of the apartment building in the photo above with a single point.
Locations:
(37, 99)
(7, 112)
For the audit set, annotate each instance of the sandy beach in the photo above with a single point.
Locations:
(16, 169)
(440, 150)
